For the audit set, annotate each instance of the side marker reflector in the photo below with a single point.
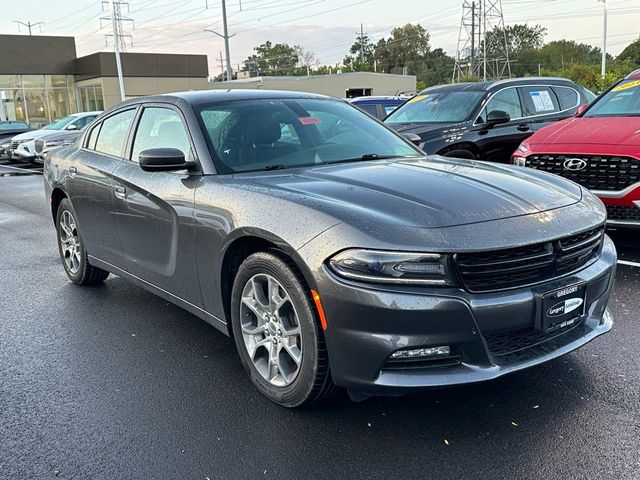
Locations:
(316, 299)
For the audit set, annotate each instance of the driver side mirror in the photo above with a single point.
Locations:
(162, 160)
(496, 117)
(413, 138)
(71, 127)
(581, 109)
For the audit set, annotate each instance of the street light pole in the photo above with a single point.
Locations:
(604, 38)
(116, 45)
(225, 36)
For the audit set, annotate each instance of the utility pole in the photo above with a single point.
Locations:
(604, 38)
(361, 44)
(225, 36)
(119, 37)
(29, 25)
(221, 67)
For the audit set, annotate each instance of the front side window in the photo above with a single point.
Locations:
(266, 134)
(440, 106)
(113, 133)
(506, 100)
(160, 128)
(622, 100)
(82, 122)
(93, 136)
(60, 124)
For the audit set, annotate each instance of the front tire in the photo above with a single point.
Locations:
(280, 343)
(71, 248)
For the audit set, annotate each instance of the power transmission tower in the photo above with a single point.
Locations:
(482, 43)
(29, 25)
(119, 37)
(117, 20)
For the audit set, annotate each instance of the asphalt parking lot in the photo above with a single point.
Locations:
(114, 382)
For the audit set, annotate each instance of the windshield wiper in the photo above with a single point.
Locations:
(366, 156)
(278, 166)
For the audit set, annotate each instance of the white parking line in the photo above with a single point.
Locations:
(627, 262)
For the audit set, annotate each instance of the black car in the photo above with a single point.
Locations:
(486, 120)
(8, 129)
(332, 250)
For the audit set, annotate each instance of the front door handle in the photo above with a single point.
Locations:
(120, 192)
(73, 171)
(524, 127)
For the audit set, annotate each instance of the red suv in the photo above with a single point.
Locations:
(599, 148)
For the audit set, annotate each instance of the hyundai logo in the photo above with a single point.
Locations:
(574, 164)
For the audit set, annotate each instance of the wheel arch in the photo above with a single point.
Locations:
(246, 242)
(57, 195)
(467, 146)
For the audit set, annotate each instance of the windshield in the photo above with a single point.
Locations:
(623, 100)
(270, 134)
(60, 124)
(444, 106)
(12, 125)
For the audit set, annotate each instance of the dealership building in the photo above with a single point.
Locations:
(42, 79)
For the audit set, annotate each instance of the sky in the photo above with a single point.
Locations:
(325, 27)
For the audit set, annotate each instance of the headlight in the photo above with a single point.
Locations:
(18, 142)
(522, 148)
(403, 268)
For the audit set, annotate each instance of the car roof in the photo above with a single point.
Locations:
(497, 84)
(633, 75)
(85, 114)
(377, 99)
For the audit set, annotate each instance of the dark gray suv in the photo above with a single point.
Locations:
(330, 248)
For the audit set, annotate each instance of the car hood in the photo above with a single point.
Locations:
(65, 135)
(427, 192)
(591, 131)
(422, 128)
(35, 134)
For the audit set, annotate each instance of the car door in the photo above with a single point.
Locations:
(561, 102)
(90, 184)
(154, 210)
(496, 144)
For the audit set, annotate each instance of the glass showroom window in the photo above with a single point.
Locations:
(36, 99)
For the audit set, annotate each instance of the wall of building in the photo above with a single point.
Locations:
(141, 86)
(333, 85)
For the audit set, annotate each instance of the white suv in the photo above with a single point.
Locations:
(23, 145)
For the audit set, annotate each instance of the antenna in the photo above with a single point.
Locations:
(477, 54)
(29, 25)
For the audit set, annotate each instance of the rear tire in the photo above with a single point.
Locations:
(71, 248)
(274, 323)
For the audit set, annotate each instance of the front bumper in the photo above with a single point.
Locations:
(367, 324)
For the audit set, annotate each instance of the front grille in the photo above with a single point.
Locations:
(39, 146)
(607, 173)
(627, 214)
(528, 265)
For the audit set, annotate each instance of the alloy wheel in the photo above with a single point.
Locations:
(70, 242)
(271, 330)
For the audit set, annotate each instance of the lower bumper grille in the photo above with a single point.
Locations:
(627, 214)
(529, 265)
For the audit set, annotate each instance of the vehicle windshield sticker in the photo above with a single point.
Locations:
(417, 98)
(541, 101)
(624, 86)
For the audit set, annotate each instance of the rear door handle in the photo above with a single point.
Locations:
(120, 192)
(524, 127)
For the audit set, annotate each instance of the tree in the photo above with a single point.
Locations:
(631, 54)
(407, 47)
(305, 60)
(361, 55)
(272, 59)
(519, 37)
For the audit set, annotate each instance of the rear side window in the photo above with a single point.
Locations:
(113, 134)
(539, 100)
(370, 109)
(506, 100)
(568, 98)
(82, 122)
(160, 128)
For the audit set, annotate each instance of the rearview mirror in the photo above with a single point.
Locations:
(162, 160)
(581, 109)
(496, 117)
(413, 138)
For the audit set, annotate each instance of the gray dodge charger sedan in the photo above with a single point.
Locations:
(331, 249)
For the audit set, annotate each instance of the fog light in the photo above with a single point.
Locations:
(519, 161)
(422, 352)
